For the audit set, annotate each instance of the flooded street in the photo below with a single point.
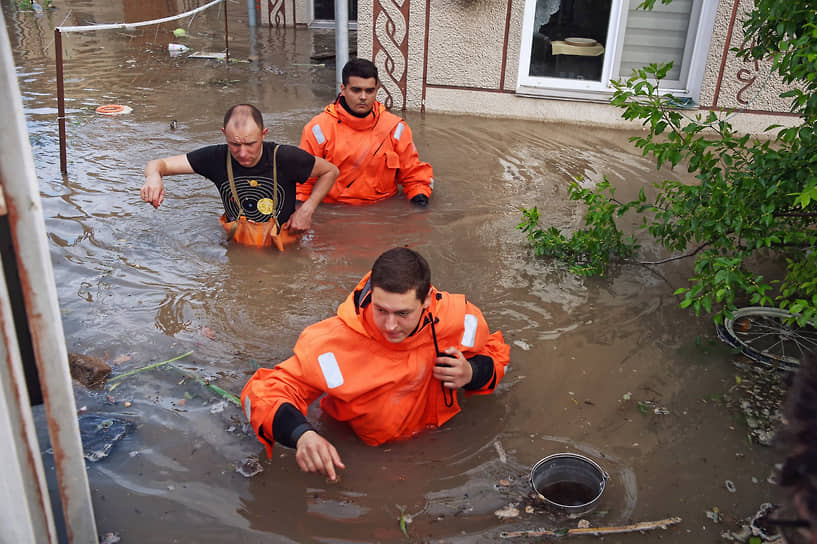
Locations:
(139, 286)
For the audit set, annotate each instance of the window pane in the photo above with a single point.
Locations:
(656, 36)
(325, 9)
(569, 38)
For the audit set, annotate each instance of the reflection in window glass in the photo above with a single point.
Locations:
(325, 9)
(569, 38)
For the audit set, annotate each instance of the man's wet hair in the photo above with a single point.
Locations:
(359, 68)
(798, 439)
(247, 110)
(401, 269)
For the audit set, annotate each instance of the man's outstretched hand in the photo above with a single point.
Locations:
(314, 453)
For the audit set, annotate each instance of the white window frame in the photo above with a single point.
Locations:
(325, 23)
(692, 74)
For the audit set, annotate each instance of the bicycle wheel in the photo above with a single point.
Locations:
(764, 335)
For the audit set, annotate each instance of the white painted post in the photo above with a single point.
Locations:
(22, 197)
(341, 39)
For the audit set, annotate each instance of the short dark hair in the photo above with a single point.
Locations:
(359, 68)
(245, 109)
(401, 269)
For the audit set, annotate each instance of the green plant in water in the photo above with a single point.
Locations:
(753, 199)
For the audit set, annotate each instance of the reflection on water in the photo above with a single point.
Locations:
(138, 285)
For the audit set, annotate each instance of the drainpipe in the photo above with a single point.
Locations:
(251, 21)
(19, 185)
(341, 39)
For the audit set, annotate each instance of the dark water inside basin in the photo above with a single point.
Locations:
(138, 286)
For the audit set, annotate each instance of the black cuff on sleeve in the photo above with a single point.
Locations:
(288, 425)
(420, 200)
(482, 368)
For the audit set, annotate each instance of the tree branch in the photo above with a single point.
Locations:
(676, 257)
(795, 214)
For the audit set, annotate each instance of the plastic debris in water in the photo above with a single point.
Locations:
(730, 486)
(521, 344)
(249, 467)
(510, 511)
(100, 433)
(218, 407)
(180, 33)
(177, 49)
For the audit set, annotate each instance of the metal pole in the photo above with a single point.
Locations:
(251, 21)
(226, 38)
(341, 39)
(60, 101)
(25, 213)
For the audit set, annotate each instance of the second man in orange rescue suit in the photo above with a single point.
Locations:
(372, 148)
(389, 364)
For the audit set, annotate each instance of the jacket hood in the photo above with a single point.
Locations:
(356, 313)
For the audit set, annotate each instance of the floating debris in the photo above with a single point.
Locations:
(510, 511)
(110, 538)
(753, 530)
(521, 344)
(503, 458)
(714, 514)
(730, 486)
(99, 433)
(758, 394)
(249, 467)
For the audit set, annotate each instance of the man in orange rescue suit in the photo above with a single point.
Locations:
(389, 363)
(262, 196)
(372, 148)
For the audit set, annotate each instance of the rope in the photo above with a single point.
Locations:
(130, 26)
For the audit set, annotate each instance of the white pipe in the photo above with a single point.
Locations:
(19, 184)
(129, 26)
(341, 39)
(251, 19)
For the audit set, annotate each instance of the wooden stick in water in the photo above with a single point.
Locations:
(597, 531)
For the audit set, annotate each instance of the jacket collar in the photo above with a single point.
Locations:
(357, 123)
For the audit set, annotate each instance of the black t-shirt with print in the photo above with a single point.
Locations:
(255, 185)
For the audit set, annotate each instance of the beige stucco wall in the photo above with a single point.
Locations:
(743, 85)
(465, 42)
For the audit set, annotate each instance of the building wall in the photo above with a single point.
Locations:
(462, 56)
(735, 84)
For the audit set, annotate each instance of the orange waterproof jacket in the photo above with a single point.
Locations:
(373, 154)
(384, 391)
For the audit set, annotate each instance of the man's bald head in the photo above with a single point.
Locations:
(243, 113)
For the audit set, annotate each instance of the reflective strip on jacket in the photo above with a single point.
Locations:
(384, 391)
(373, 154)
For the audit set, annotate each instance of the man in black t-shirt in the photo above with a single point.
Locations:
(252, 165)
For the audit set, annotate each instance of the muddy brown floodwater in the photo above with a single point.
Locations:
(138, 285)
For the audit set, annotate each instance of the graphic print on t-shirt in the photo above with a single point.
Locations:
(256, 194)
